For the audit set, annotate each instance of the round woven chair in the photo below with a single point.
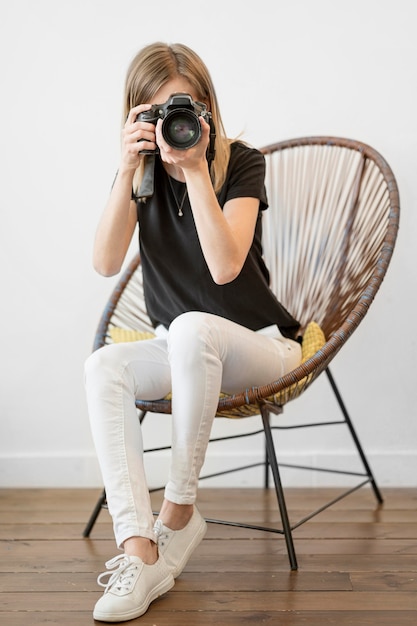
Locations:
(328, 238)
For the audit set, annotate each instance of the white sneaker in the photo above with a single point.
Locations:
(131, 588)
(177, 545)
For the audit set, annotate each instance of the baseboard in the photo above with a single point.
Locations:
(390, 469)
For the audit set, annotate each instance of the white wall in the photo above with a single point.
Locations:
(282, 68)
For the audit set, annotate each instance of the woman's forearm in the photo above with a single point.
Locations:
(116, 226)
(225, 235)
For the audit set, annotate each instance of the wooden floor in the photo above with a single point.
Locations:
(357, 562)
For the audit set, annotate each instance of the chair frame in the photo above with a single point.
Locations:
(261, 399)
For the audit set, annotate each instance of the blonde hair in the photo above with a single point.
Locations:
(153, 67)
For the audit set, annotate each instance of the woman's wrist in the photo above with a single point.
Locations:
(199, 171)
(126, 171)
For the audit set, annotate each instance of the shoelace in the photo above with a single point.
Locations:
(158, 528)
(122, 575)
(159, 531)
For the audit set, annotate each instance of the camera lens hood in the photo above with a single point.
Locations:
(181, 128)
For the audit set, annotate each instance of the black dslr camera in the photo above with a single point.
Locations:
(181, 127)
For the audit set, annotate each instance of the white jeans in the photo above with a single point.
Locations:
(200, 356)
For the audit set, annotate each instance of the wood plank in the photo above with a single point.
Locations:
(224, 601)
(268, 547)
(309, 563)
(368, 516)
(325, 530)
(254, 506)
(223, 581)
(155, 617)
(240, 499)
(284, 601)
(215, 564)
(388, 581)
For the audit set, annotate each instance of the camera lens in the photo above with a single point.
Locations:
(181, 129)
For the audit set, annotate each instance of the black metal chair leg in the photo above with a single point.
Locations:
(266, 469)
(94, 515)
(355, 437)
(278, 488)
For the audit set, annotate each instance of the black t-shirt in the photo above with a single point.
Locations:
(175, 274)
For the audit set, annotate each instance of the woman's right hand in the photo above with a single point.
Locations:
(136, 136)
(118, 222)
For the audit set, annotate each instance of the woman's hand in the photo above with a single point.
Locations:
(136, 136)
(189, 159)
(118, 222)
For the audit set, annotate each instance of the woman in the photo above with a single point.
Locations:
(207, 294)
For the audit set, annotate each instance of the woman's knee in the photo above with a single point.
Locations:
(101, 364)
(188, 323)
(192, 334)
(190, 326)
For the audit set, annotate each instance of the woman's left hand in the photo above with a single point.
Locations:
(185, 159)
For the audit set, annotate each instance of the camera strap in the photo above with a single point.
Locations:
(210, 148)
(147, 184)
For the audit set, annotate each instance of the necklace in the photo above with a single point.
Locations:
(180, 205)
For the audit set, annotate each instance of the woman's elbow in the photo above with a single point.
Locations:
(105, 267)
(226, 275)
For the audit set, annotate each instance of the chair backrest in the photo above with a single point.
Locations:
(328, 238)
(331, 227)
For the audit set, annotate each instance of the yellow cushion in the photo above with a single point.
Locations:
(313, 340)
(120, 335)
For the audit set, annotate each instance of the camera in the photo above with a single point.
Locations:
(181, 127)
